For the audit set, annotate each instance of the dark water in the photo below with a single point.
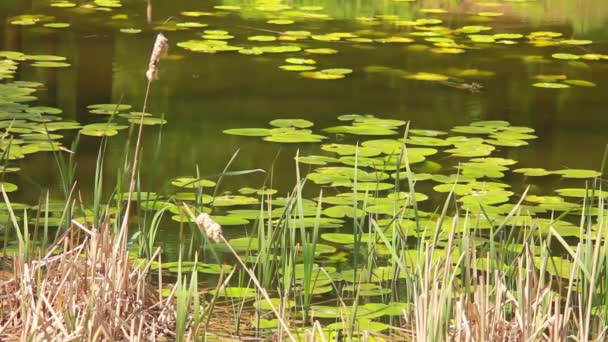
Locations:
(203, 94)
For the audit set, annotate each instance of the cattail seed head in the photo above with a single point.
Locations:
(161, 46)
(212, 229)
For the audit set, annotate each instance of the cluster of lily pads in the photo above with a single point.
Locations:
(374, 164)
(427, 30)
(380, 179)
(421, 31)
(374, 175)
(29, 129)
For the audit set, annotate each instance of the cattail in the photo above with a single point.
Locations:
(210, 227)
(161, 45)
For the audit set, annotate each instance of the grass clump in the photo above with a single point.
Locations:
(85, 287)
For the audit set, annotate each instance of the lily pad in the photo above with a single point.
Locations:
(565, 56)
(297, 123)
(551, 85)
(250, 132)
(235, 292)
(533, 172)
(192, 183)
(578, 173)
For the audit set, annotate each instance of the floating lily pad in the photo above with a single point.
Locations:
(148, 121)
(343, 149)
(300, 68)
(578, 173)
(576, 41)
(130, 30)
(51, 64)
(109, 108)
(262, 38)
(230, 220)
(250, 132)
(533, 172)
(228, 200)
(57, 25)
(235, 292)
(280, 22)
(580, 193)
(361, 130)
(342, 238)
(101, 129)
(318, 75)
(426, 76)
(296, 136)
(316, 160)
(565, 56)
(245, 244)
(192, 183)
(322, 51)
(8, 187)
(297, 123)
(300, 61)
(580, 83)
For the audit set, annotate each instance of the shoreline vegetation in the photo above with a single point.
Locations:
(86, 285)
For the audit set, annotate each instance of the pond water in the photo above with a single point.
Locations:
(203, 94)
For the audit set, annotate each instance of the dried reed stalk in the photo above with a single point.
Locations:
(159, 51)
(214, 232)
(77, 292)
(212, 229)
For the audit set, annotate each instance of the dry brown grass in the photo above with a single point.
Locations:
(84, 288)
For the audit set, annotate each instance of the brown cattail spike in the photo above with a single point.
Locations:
(210, 227)
(161, 45)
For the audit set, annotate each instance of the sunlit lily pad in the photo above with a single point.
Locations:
(250, 132)
(341, 211)
(148, 121)
(191, 24)
(580, 83)
(57, 25)
(108, 108)
(426, 76)
(235, 292)
(576, 41)
(482, 38)
(44, 64)
(230, 220)
(297, 123)
(580, 192)
(551, 85)
(318, 75)
(192, 183)
(322, 51)
(130, 30)
(578, 173)
(343, 149)
(316, 160)
(343, 238)
(8, 187)
(556, 266)
(228, 200)
(280, 22)
(300, 61)
(360, 130)
(533, 172)
(101, 129)
(299, 68)
(244, 244)
(294, 137)
(565, 56)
